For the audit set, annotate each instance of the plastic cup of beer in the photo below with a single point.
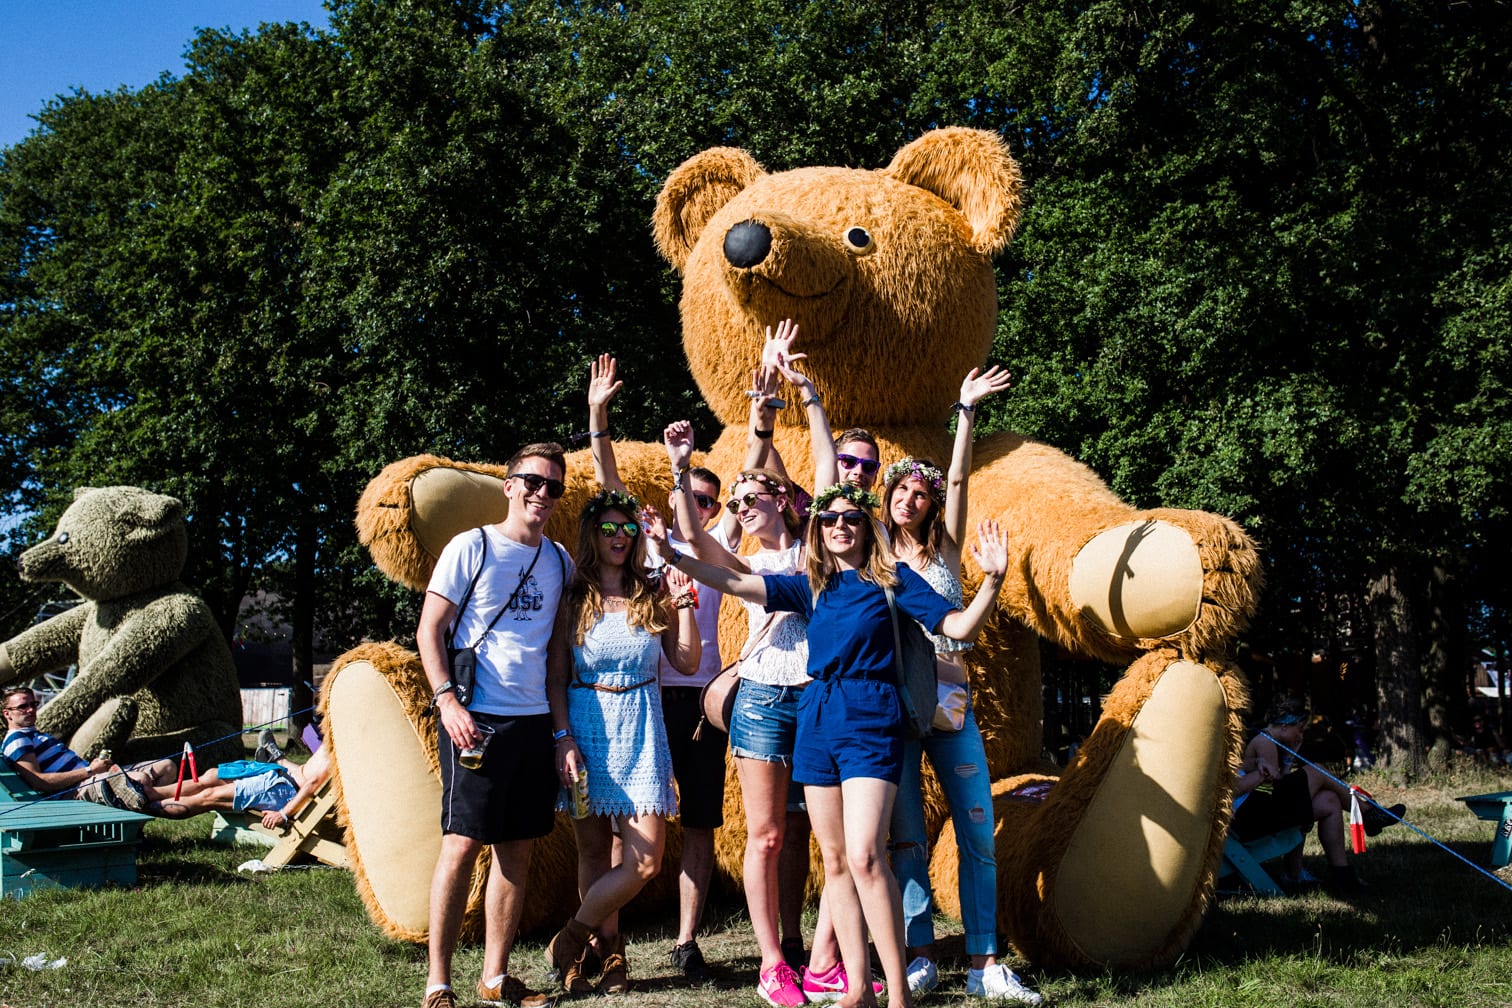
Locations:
(472, 757)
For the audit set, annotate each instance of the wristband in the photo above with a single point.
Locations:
(815, 398)
(962, 407)
(560, 734)
(445, 687)
(600, 433)
(765, 435)
(673, 557)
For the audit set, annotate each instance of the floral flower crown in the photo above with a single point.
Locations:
(776, 485)
(851, 492)
(606, 499)
(921, 471)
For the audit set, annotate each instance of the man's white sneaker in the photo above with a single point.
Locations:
(998, 983)
(922, 976)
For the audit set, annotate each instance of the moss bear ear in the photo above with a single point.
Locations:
(971, 170)
(149, 510)
(693, 193)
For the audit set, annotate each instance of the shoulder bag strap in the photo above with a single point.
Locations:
(892, 610)
(514, 594)
(451, 631)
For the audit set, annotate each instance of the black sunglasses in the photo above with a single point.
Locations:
(854, 519)
(867, 466)
(749, 500)
(705, 501)
(26, 706)
(533, 483)
(609, 529)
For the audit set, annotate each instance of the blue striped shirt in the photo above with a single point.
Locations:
(52, 756)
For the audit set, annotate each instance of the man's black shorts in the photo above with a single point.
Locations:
(513, 795)
(698, 765)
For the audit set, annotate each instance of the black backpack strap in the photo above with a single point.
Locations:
(451, 631)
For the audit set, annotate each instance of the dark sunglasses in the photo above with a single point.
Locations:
(749, 500)
(705, 501)
(533, 483)
(868, 466)
(25, 706)
(610, 529)
(854, 519)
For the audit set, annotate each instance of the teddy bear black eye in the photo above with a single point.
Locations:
(859, 240)
(62, 537)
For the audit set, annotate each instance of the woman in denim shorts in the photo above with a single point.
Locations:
(773, 675)
(851, 787)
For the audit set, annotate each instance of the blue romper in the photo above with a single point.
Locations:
(850, 722)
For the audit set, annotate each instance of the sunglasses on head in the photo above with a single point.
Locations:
(609, 529)
(854, 519)
(704, 501)
(748, 500)
(533, 483)
(868, 466)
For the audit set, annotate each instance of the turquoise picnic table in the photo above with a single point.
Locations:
(1495, 807)
(62, 842)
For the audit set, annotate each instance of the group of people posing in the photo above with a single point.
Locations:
(588, 670)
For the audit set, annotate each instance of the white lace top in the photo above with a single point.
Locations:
(943, 580)
(780, 658)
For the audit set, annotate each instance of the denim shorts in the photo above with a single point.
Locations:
(764, 725)
(267, 792)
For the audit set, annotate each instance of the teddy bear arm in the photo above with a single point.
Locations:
(143, 645)
(50, 645)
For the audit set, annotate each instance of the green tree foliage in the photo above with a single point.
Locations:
(1262, 269)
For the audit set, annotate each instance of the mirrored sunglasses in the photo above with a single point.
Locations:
(609, 529)
(533, 483)
(867, 466)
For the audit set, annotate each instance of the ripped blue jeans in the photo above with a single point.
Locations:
(960, 762)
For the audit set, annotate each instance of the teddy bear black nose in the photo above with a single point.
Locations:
(747, 243)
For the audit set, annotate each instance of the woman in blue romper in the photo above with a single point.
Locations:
(849, 754)
(619, 623)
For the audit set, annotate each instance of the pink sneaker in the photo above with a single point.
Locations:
(779, 987)
(830, 985)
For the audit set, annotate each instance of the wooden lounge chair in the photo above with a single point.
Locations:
(62, 842)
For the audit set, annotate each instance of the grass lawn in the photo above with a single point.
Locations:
(194, 932)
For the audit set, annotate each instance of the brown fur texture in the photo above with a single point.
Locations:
(888, 274)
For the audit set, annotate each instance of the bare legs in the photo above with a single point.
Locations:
(763, 789)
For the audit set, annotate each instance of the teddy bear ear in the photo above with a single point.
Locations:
(971, 170)
(81, 491)
(693, 193)
(149, 510)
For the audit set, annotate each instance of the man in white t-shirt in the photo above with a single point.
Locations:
(496, 590)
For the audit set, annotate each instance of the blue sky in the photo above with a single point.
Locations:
(51, 47)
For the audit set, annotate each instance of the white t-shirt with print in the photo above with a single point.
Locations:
(511, 674)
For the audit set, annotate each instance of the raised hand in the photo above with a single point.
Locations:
(678, 437)
(677, 582)
(779, 345)
(991, 549)
(976, 387)
(655, 528)
(601, 383)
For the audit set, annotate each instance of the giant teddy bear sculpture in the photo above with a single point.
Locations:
(888, 274)
(154, 670)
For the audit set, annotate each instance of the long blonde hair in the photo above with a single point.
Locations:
(877, 566)
(585, 596)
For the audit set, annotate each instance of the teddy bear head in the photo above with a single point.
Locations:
(112, 542)
(888, 273)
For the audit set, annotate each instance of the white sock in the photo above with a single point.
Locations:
(435, 987)
(495, 981)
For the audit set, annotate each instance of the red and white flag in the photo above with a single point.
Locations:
(1356, 822)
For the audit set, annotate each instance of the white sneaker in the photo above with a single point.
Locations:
(922, 976)
(998, 983)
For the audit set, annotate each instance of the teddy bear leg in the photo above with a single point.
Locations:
(108, 728)
(1115, 867)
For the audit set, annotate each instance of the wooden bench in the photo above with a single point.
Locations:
(1495, 807)
(62, 842)
(1247, 859)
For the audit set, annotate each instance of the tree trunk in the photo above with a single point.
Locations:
(1443, 662)
(1398, 676)
(302, 629)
